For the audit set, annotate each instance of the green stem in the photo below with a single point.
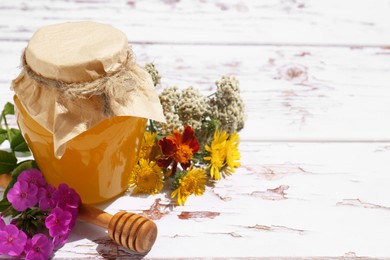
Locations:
(6, 126)
(152, 128)
(5, 212)
(211, 95)
(8, 131)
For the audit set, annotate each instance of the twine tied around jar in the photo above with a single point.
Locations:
(107, 87)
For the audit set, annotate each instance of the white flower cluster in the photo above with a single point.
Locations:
(227, 105)
(153, 73)
(181, 108)
(192, 107)
(169, 99)
(224, 109)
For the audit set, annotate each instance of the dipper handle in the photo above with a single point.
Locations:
(127, 229)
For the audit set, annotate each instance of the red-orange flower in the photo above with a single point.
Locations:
(178, 148)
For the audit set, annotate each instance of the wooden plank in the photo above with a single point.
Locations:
(291, 93)
(269, 22)
(287, 200)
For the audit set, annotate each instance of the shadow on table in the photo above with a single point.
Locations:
(110, 250)
(98, 240)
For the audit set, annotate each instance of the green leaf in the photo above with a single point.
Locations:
(4, 204)
(3, 135)
(22, 147)
(9, 109)
(22, 166)
(25, 165)
(7, 209)
(7, 162)
(17, 141)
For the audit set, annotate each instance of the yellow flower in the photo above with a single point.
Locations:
(232, 154)
(193, 182)
(223, 154)
(146, 177)
(149, 141)
(217, 155)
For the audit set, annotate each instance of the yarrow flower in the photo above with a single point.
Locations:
(153, 73)
(178, 148)
(146, 177)
(223, 154)
(169, 99)
(192, 107)
(227, 105)
(192, 182)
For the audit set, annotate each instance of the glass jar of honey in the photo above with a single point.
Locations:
(82, 104)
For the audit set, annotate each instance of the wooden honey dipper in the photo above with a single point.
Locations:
(129, 230)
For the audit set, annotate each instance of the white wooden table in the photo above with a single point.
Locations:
(315, 77)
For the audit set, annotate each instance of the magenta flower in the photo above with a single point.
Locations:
(75, 213)
(45, 197)
(60, 240)
(58, 222)
(12, 241)
(39, 247)
(22, 195)
(66, 197)
(32, 176)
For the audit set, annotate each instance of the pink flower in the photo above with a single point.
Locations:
(66, 197)
(58, 222)
(12, 241)
(45, 197)
(39, 247)
(75, 213)
(32, 176)
(60, 240)
(22, 195)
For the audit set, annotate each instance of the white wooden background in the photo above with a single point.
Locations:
(315, 77)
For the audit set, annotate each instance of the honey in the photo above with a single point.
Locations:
(97, 163)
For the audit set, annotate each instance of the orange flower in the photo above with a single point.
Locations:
(178, 148)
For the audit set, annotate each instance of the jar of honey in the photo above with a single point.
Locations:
(82, 105)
